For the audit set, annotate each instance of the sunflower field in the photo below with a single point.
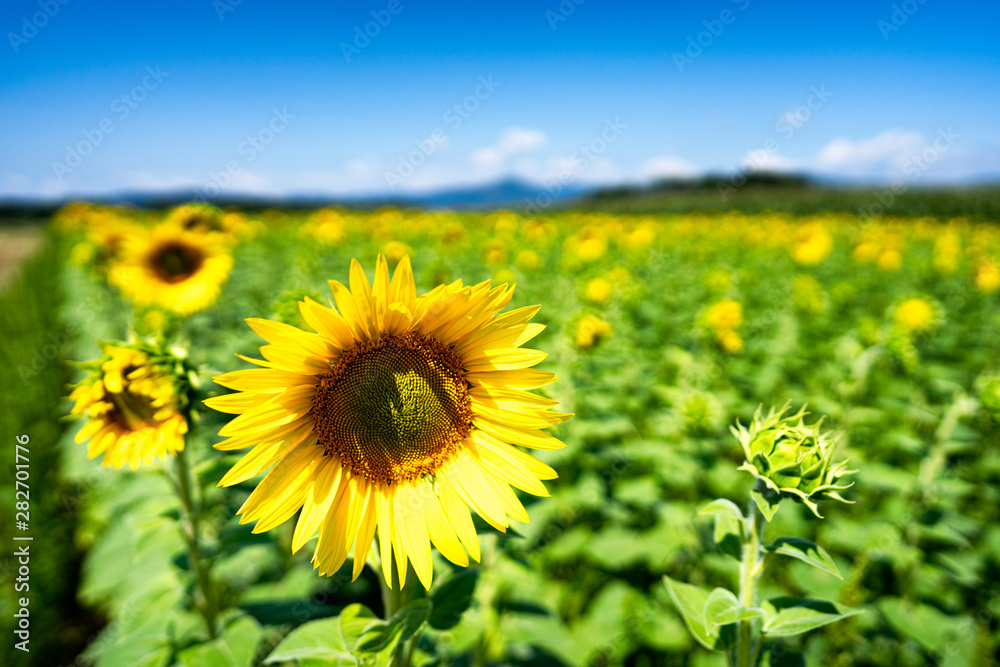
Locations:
(401, 437)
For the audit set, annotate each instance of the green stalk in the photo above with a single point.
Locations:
(190, 531)
(750, 570)
(393, 599)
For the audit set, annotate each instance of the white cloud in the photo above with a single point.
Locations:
(890, 149)
(762, 160)
(513, 141)
(666, 166)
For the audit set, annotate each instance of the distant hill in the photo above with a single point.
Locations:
(795, 193)
(507, 193)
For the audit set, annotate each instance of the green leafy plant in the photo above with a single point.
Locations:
(789, 460)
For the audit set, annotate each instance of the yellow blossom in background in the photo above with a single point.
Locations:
(591, 330)
(133, 408)
(326, 226)
(170, 267)
(812, 244)
(988, 276)
(730, 342)
(916, 314)
(587, 245)
(196, 218)
(890, 259)
(724, 319)
(598, 290)
(494, 252)
(947, 252)
(452, 232)
(866, 252)
(726, 315)
(395, 251)
(619, 276)
(643, 236)
(529, 260)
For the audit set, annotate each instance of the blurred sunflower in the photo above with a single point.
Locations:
(133, 400)
(393, 419)
(196, 218)
(590, 331)
(987, 276)
(179, 270)
(916, 314)
(811, 245)
(724, 319)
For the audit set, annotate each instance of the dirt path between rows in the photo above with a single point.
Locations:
(16, 246)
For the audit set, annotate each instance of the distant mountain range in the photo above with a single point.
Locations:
(507, 193)
(511, 193)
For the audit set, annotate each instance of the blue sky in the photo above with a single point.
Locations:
(264, 97)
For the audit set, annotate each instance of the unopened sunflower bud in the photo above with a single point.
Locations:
(790, 459)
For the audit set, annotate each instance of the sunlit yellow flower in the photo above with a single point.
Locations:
(723, 319)
(196, 218)
(890, 259)
(947, 252)
(730, 342)
(598, 290)
(587, 245)
(176, 269)
(395, 418)
(988, 276)
(326, 226)
(590, 331)
(133, 408)
(812, 244)
(915, 314)
(726, 315)
(494, 252)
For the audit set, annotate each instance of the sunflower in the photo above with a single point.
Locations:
(395, 418)
(133, 404)
(179, 270)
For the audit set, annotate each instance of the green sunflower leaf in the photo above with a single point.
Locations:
(316, 640)
(384, 635)
(805, 551)
(451, 597)
(789, 616)
(691, 602)
(767, 502)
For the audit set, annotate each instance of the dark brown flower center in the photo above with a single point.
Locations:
(394, 410)
(175, 262)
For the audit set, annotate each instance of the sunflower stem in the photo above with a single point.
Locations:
(750, 572)
(394, 598)
(191, 533)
